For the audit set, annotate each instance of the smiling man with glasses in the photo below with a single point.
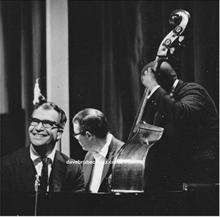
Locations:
(41, 158)
(46, 127)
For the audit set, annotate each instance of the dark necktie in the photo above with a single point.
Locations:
(44, 174)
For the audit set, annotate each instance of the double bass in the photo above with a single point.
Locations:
(128, 170)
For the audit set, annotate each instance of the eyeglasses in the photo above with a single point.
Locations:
(79, 133)
(47, 124)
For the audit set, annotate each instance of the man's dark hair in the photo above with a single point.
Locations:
(50, 105)
(93, 121)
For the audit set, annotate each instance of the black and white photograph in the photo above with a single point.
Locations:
(109, 108)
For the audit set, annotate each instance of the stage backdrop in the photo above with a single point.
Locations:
(109, 42)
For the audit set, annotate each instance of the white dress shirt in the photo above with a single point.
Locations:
(36, 158)
(153, 90)
(100, 158)
(157, 86)
(174, 86)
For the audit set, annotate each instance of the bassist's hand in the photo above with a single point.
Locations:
(148, 78)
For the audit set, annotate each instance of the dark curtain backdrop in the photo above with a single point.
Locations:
(22, 40)
(110, 41)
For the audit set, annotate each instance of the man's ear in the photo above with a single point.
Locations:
(144, 72)
(89, 135)
(59, 134)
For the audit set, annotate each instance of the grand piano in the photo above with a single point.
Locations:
(191, 200)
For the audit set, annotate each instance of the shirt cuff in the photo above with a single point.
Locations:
(153, 90)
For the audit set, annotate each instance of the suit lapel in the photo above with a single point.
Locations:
(149, 111)
(87, 168)
(28, 171)
(108, 161)
(58, 173)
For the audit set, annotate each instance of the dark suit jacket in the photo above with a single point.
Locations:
(114, 147)
(188, 150)
(18, 173)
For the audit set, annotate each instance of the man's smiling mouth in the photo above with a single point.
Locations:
(37, 135)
